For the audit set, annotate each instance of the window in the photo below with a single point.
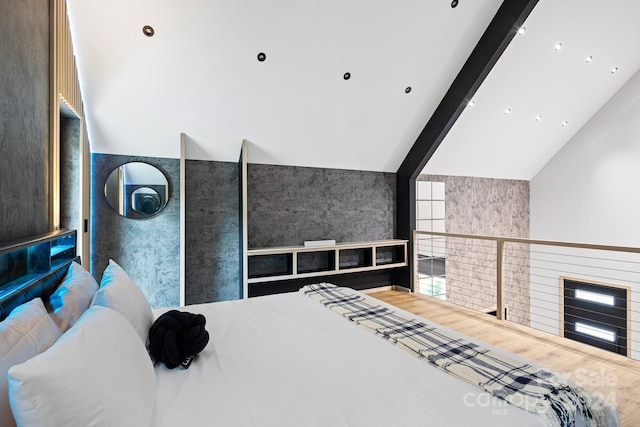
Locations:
(430, 216)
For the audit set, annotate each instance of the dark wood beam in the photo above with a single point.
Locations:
(503, 27)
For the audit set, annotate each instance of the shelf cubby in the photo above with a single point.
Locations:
(270, 265)
(390, 254)
(355, 258)
(23, 261)
(316, 261)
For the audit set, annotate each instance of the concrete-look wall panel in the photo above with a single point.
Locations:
(24, 119)
(212, 231)
(490, 207)
(147, 249)
(70, 173)
(288, 205)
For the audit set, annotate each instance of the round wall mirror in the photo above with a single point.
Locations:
(137, 190)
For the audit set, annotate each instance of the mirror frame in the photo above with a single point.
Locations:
(119, 193)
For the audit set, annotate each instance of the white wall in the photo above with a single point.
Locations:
(590, 192)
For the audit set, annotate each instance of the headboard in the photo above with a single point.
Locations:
(34, 267)
(41, 287)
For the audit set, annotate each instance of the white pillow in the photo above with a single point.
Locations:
(117, 291)
(27, 332)
(73, 296)
(97, 374)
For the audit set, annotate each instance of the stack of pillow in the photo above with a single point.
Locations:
(85, 362)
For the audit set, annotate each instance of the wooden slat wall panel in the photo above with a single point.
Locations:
(66, 70)
(65, 87)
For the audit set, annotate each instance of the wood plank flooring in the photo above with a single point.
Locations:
(616, 377)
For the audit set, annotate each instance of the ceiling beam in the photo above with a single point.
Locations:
(503, 27)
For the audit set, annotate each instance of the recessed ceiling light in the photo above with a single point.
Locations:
(565, 123)
(538, 117)
(407, 89)
(522, 30)
(471, 103)
(614, 69)
(454, 3)
(148, 31)
(346, 76)
(507, 111)
(558, 46)
(262, 56)
(588, 59)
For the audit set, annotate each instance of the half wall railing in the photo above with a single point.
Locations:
(585, 292)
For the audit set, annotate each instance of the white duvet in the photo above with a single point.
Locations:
(285, 360)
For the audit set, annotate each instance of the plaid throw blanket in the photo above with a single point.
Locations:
(523, 385)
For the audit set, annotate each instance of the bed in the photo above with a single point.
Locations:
(295, 359)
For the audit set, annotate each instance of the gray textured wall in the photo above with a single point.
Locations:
(70, 173)
(147, 249)
(288, 205)
(212, 231)
(24, 118)
(490, 207)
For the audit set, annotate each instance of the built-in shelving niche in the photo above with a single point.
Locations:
(390, 254)
(281, 264)
(273, 265)
(317, 261)
(355, 258)
(265, 271)
(24, 261)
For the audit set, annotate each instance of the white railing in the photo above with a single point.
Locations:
(581, 291)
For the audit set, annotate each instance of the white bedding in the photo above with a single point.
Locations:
(285, 360)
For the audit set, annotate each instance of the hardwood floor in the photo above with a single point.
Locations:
(615, 377)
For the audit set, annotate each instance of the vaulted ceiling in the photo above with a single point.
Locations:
(571, 57)
(200, 75)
